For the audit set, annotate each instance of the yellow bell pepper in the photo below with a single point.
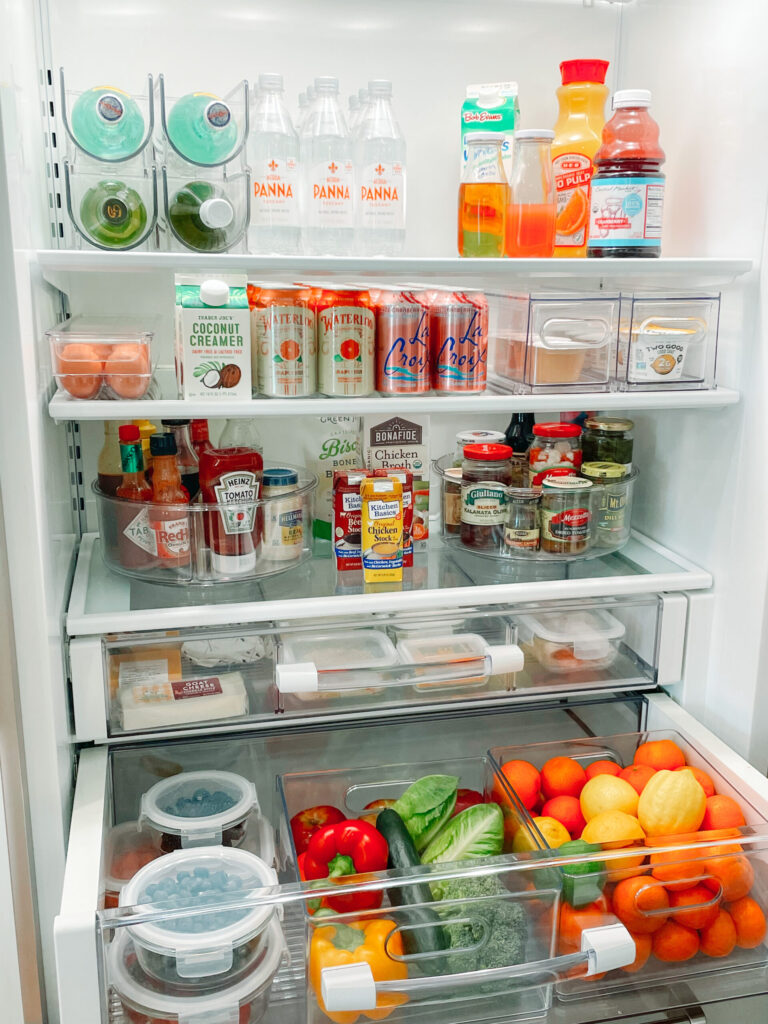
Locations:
(357, 943)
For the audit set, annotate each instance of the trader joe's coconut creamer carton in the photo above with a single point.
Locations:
(213, 337)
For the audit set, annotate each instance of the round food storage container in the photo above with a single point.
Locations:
(189, 950)
(146, 1000)
(572, 641)
(199, 809)
(128, 849)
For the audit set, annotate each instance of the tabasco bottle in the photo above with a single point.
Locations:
(169, 511)
(198, 432)
(136, 540)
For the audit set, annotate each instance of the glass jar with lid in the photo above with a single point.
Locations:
(522, 531)
(554, 446)
(608, 439)
(465, 437)
(565, 518)
(483, 196)
(612, 486)
(486, 475)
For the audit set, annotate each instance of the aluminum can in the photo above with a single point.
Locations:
(458, 331)
(402, 343)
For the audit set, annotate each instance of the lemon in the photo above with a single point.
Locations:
(615, 830)
(553, 832)
(607, 793)
(672, 803)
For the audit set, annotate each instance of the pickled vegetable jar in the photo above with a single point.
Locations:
(566, 515)
(606, 439)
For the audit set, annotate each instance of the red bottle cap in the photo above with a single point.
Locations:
(583, 71)
(488, 452)
(557, 430)
(129, 433)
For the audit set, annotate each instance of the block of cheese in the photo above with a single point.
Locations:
(164, 703)
(143, 663)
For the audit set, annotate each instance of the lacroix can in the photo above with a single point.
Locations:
(402, 343)
(458, 331)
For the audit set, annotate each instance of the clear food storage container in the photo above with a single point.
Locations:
(199, 809)
(451, 660)
(146, 1000)
(668, 343)
(101, 357)
(322, 665)
(188, 950)
(127, 850)
(572, 641)
(669, 846)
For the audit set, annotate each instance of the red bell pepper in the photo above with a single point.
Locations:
(348, 848)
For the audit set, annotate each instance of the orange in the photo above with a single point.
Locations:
(573, 921)
(749, 921)
(632, 900)
(719, 938)
(722, 812)
(562, 776)
(523, 779)
(573, 215)
(607, 793)
(704, 780)
(643, 945)
(660, 754)
(602, 768)
(699, 897)
(637, 775)
(674, 943)
(290, 349)
(566, 810)
(731, 872)
(680, 874)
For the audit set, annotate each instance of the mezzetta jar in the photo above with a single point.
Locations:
(486, 475)
(566, 515)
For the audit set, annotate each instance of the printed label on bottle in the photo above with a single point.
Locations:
(382, 196)
(521, 538)
(240, 490)
(114, 211)
(284, 338)
(345, 342)
(330, 202)
(626, 211)
(275, 199)
(140, 532)
(570, 525)
(110, 107)
(172, 537)
(573, 174)
(484, 503)
(218, 114)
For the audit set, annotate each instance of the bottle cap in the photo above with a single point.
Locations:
(174, 423)
(326, 83)
(267, 80)
(488, 452)
(631, 98)
(537, 134)
(162, 444)
(279, 477)
(216, 213)
(379, 87)
(609, 424)
(556, 430)
(565, 483)
(129, 433)
(214, 292)
(583, 71)
(603, 470)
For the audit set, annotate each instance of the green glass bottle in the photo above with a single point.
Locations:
(113, 215)
(202, 216)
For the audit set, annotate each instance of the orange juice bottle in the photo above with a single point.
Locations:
(578, 134)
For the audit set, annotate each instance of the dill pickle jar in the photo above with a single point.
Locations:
(612, 486)
(606, 439)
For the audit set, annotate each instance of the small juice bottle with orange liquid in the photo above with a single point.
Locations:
(578, 134)
(483, 196)
(531, 214)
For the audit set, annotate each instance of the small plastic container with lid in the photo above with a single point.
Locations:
(283, 520)
(555, 446)
(318, 664)
(608, 439)
(199, 809)
(145, 1000)
(566, 519)
(222, 941)
(127, 850)
(107, 357)
(613, 487)
(463, 660)
(486, 476)
(577, 641)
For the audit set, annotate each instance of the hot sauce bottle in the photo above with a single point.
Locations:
(198, 432)
(136, 540)
(231, 478)
(171, 523)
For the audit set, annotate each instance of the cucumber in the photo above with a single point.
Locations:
(430, 936)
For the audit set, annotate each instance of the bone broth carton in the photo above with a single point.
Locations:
(213, 337)
(400, 443)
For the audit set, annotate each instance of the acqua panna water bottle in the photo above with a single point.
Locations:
(273, 156)
(329, 176)
(381, 176)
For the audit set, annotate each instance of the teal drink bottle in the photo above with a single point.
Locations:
(107, 123)
(202, 128)
(113, 214)
(202, 216)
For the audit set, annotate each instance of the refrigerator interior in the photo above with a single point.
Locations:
(702, 494)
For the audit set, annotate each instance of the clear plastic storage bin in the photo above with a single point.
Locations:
(667, 343)
(106, 123)
(107, 357)
(321, 665)
(127, 850)
(553, 344)
(572, 641)
(205, 214)
(223, 127)
(112, 207)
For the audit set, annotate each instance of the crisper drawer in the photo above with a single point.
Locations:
(508, 938)
(127, 685)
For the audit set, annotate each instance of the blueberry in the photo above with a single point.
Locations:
(201, 872)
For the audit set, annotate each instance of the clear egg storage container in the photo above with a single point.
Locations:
(224, 940)
(203, 808)
(102, 357)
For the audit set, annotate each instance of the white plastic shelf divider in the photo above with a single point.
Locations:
(105, 602)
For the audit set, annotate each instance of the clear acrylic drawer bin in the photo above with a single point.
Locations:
(205, 544)
(104, 357)
(204, 212)
(111, 206)
(654, 879)
(667, 343)
(548, 345)
(109, 125)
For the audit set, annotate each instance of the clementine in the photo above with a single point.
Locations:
(703, 903)
(523, 778)
(749, 920)
(562, 776)
(675, 943)
(730, 872)
(643, 946)
(637, 775)
(566, 810)
(573, 921)
(633, 899)
(675, 872)
(660, 754)
(602, 768)
(719, 938)
(722, 812)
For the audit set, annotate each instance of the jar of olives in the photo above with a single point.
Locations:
(486, 475)
(606, 439)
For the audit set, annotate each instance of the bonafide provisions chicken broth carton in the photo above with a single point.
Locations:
(213, 337)
(398, 443)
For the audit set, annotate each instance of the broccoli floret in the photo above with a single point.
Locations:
(493, 930)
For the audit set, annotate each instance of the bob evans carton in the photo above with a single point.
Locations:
(491, 108)
(213, 337)
(397, 442)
